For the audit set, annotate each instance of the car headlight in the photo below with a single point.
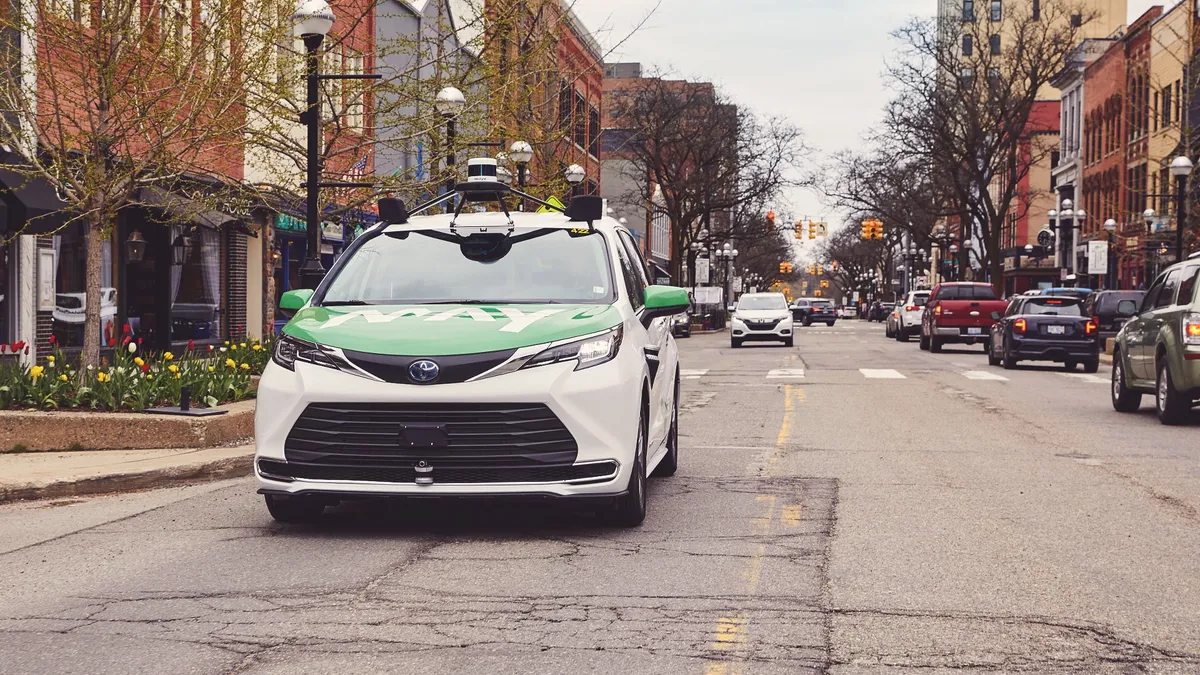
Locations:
(588, 352)
(289, 350)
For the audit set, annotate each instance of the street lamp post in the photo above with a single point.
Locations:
(1110, 228)
(1150, 216)
(1181, 168)
(521, 152)
(313, 20)
(449, 103)
(575, 175)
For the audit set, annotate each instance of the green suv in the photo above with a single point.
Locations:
(1158, 351)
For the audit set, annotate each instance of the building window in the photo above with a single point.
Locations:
(566, 102)
(968, 45)
(994, 41)
(196, 287)
(1037, 10)
(1166, 106)
(968, 76)
(996, 10)
(581, 121)
(594, 132)
(1076, 20)
(70, 255)
(968, 10)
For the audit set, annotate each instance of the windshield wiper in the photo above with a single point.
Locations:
(346, 303)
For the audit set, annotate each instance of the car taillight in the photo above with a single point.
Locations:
(910, 308)
(937, 310)
(1191, 328)
(1019, 326)
(1091, 327)
(1096, 319)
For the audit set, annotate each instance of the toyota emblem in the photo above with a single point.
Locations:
(423, 371)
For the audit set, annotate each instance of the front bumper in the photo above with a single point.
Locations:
(599, 407)
(1036, 349)
(759, 331)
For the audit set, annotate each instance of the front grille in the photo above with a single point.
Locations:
(372, 435)
(761, 325)
(448, 474)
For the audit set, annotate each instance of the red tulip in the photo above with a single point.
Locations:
(52, 341)
(145, 367)
(139, 342)
(17, 346)
(125, 330)
(112, 342)
(191, 345)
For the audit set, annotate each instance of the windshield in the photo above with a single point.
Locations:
(755, 302)
(1054, 307)
(548, 266)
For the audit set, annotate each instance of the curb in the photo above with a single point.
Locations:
(1106, 359)
(219, 469)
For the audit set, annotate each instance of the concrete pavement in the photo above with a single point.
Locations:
(852, 505)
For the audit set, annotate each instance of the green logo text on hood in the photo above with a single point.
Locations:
(443, 330)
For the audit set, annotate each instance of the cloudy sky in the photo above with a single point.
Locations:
(813, 61)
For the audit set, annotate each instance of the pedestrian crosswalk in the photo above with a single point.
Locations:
(785, 374)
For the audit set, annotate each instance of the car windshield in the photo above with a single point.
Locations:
(1054, 307)
(756, 302)
(538, 266)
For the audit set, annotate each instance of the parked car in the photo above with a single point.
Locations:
(959, 312)
(761, 316)
(1045, 328)
(681, 324)
(808, 311)
(1158, 351)
(1111, 309)
(905, 319)
(879, 312)
(847, 312)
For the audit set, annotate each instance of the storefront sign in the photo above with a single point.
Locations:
(331, 232)
(1097, 257)
(709, 295)
(289, 223)
(702, 270)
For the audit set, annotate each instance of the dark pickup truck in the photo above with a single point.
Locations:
(959, 312)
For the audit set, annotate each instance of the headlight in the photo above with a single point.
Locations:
(289, 350)
(589, 351)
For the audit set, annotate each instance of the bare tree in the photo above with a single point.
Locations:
(970, 117)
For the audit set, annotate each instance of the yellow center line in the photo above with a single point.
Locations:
(732, 633)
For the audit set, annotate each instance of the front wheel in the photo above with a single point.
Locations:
(807, 321)
(294, 509)
(829, 323)
(1173, 408)
(789, 342)
(1124, 399)
(630, 508)
(735, 343)
(993, 358)
(1010, 361)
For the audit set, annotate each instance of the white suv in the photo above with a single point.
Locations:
(908, 315)
(475, 355)
(762, 316)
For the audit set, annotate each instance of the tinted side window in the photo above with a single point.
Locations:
(1152, 295)
(633, 284)
(1166, 296)
(635, 254)
(1014, 307)
(1187, 290)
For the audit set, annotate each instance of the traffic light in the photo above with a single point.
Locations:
(820, 270)
(783, 268)
(817, 293)
(799, 230)
(872, 229)
(812, 230)
(770, 220)
(833, 265)
(812, 270)
(824, 283)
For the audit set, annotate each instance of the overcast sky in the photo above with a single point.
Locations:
(813, 61)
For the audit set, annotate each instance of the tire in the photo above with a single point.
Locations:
(1069, 366)
(829, 323)
(993, 360)
(1010, 361)
(1173, 408)
(735, 343)
(790, 342)
(630, 508)
(1124, 399)
(294, 509)
(902, 335)
(1091, 367)
(924, 342)
(935, 345)
(987, 346)
(670, 463)
(807, 320)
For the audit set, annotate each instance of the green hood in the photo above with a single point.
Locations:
(446, 330)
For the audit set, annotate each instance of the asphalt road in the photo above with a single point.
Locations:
(852, 505)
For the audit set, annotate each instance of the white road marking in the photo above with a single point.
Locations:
(884, 374)
(984, 375)
(785, 373)
(693, 374)
(1086, 377)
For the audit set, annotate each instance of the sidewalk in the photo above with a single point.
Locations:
(46, 475)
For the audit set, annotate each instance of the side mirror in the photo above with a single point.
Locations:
(995, 316)
(294, 301)
(662, 301)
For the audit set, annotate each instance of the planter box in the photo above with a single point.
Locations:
(79, 430)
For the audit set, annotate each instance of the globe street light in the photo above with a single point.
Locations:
(521, 152)
(449, 103)
(1181, 168)
(575, 175)
(313, 20)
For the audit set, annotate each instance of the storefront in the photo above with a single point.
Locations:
(291, 250)
(1024, 272)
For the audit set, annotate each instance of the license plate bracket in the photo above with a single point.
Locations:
(424, 436)
(974, 331)
(1056, 330)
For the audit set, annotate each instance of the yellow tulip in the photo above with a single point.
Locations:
(168, 356)
(177, 376)
(139, 362)
(50, 358)
(245, 366)
(102, 377)
(173, 368)
(231, 363)
(233, 347)
(243, 345)
(211, 369)
(257, 348)
(62, 377)
(36, 372)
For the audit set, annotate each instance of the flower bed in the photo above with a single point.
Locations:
(134, 379)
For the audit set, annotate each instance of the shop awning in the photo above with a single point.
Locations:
(184, 209)
(31, 204)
